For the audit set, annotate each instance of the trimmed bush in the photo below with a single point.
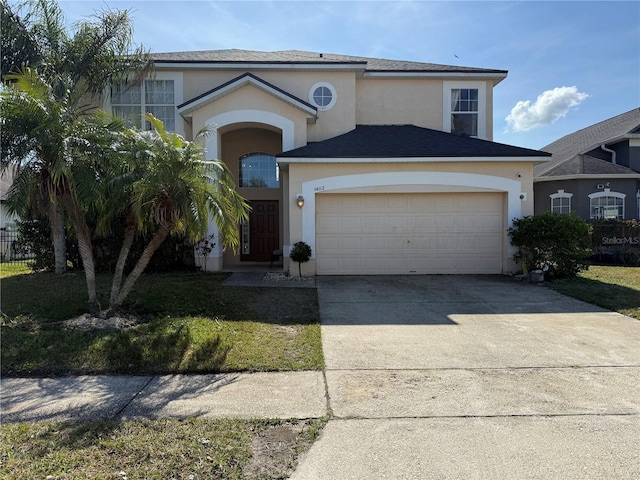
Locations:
(558, 242)
(301, 253)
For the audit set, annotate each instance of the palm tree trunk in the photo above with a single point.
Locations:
(79, 223)
(129, 235)
(56, 222)
(142, 263)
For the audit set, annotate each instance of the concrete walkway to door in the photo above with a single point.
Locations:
(474, 377)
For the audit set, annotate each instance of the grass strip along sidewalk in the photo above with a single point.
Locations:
(191, 324)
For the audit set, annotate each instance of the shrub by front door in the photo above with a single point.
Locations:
(260, 235)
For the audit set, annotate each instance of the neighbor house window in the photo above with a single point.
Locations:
(259, 170)
(606, 204)
(158, 96)
(465, 108)
(561, 202)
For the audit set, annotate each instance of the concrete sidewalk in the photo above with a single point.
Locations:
(240, 395)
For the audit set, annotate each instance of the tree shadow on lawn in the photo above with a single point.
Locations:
(161, 346)
(606, 295)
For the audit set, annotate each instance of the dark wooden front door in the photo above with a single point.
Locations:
(263, 232)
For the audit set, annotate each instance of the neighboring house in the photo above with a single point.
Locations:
(381, 166)
(594, 172)
(6, 219)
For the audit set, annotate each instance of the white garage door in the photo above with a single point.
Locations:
(418, 233)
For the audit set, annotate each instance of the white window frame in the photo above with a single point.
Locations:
(334, 96)
(482, 104)
(606, 193)
(177, 78)
(559, 195)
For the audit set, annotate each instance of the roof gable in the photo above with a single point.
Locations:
(402, 141)
(587, 165)
(589, 138)
(188, 107)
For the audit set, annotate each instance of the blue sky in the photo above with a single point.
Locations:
(571, 64)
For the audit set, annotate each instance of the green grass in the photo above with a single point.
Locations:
(614, 288)
(11, 269)
(194, 448)
(194, 324)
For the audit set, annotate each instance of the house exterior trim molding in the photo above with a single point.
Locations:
(320, 186)
(247, 79)
(317, 160)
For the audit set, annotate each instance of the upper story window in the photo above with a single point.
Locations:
(561, 202)
(464, 111)
(158, 96)
(465, 108)
(258, 170)
(323, 96)
(606, 204)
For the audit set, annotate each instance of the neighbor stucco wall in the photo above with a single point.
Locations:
(581, 189)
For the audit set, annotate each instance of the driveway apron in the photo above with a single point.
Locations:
(474, 377)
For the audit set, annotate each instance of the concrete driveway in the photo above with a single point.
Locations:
(474, 377)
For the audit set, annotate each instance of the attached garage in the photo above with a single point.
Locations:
(402, 199)
(421, 233)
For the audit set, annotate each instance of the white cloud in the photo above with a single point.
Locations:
(550, 106)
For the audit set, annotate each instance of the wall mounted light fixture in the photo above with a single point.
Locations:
(300, 201)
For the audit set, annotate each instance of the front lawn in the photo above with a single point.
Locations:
(192, 324)
(614, 288)
(189, 449)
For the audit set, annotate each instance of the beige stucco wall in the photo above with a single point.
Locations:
(300, 173)
(252, 98)
(339, 119)
(390, 101)
(394, 101)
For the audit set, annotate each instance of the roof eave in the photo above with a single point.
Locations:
(413, 159)
(587, 176)
(244, 65)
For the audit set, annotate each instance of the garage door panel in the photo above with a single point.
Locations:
(409, 233)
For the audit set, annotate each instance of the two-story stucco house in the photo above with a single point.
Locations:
(381, 166)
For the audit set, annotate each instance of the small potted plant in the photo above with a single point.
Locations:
(301, 253)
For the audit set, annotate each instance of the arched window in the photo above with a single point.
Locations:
(258, 170)
(561, 202)
(606, 204)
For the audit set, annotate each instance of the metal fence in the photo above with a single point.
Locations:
(10, 250)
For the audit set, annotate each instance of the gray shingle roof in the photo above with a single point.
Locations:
(587, 165)
(311, 58)
(400, 141)
(567, 147)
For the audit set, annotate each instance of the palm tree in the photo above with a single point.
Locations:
(172, 191)
(75, 68)
(49, 158)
